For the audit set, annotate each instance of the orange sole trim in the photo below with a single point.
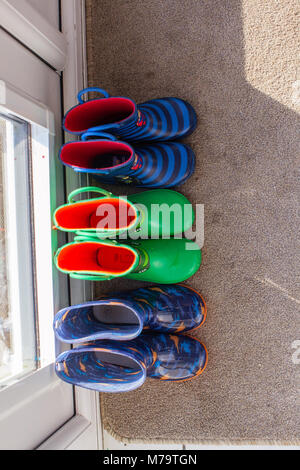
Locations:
(205, 307)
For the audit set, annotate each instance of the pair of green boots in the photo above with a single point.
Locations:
(138, 237)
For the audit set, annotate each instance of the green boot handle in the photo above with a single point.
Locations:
(87, 189)
(82, 237)
(89, 277)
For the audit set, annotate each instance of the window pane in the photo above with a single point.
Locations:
(17, 319)
(5, 329)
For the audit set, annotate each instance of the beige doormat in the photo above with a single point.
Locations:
(236, 63)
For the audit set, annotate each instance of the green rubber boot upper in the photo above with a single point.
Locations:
(167, 261)
(169, 212)
(150, 214)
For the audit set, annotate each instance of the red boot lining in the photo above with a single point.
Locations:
(109, 214)
(95, 257)
(98, 112)
(95, 155)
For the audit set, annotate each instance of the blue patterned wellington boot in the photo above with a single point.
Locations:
(159, 119)
(112, 366)
(163, 308)
(157, 165)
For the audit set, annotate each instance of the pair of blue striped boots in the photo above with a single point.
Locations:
(128, 337)
(153, 161)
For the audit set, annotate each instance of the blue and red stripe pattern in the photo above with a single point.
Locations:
(157, 165)
(160, 119)
(164, 164)
(111, 366)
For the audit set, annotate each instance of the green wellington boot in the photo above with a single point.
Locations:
(155, 213)
(162, 261)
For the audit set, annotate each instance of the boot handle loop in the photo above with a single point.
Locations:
(87, 189)
(93, 238)
(87, 90)
(88, 134)
(90, 277)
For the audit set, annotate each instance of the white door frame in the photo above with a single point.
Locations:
(84, 430)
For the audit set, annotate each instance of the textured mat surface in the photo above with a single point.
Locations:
(236, 63)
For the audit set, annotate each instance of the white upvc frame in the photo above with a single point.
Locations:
(25, 23)
(84, 430)
(21, 422)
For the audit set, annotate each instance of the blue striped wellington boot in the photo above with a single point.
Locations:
(157, 165)
(123, 316)
(121, 366)
(155, 120)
